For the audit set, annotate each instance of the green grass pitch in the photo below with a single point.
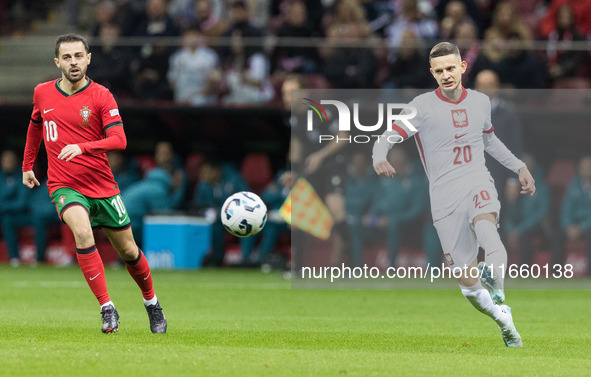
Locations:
(244, 323)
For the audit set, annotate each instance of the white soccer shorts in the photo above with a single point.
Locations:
(456, 231)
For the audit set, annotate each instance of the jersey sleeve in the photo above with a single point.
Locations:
(36, 115)
(115, 140)
(495, 147)
(488, 126)
(34, 136)
(110, 116)
(403, 128)
(409, 121)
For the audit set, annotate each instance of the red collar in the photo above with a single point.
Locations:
(444, 98)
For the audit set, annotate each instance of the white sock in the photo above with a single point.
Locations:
(495, 254)
(107, 304)
(480, 299)
(153, 301)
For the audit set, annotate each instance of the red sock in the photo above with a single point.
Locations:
(93, 269)
(140, 272)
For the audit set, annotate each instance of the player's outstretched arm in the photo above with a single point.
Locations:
(384, 169)
(380, 150)
(528, 184)
(29, 179)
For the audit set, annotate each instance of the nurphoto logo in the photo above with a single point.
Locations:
(316, 114)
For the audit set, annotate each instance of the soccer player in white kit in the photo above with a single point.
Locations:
(452, 129)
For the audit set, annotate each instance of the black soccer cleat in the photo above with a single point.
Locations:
(110, 319)
(157, 320)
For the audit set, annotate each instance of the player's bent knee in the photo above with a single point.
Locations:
(123, 242)
(492, 217)
(83, 236)
(129, 253)
(128, 250)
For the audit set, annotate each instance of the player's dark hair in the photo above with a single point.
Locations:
(70, 37)
(444, 49)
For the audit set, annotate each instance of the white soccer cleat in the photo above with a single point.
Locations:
(510, 335)
(491, 283)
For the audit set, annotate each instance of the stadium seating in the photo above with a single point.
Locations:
(559, 175)
(27, 249)
(256, 171)
(575, 254)
(145, 163)
(192, 165)
(572, 83)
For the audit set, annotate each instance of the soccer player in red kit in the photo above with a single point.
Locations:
(78, 121)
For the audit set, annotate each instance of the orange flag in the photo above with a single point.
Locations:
(304, 209)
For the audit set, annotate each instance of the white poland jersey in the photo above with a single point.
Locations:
(449, 138)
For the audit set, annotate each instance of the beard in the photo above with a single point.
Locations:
(74, 78)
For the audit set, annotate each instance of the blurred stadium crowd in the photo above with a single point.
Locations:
(222, 53)
(239, 51)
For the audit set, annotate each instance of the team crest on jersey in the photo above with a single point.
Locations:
(62, 200)
(85, 113)
(460, 118)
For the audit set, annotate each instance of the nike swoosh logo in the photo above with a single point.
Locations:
(121, 221)
(46, 111)
(483, 205)
(457, 137)
(492, 252)
(92, 278)
(146, 278)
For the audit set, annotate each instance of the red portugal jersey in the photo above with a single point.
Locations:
(88, 118)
